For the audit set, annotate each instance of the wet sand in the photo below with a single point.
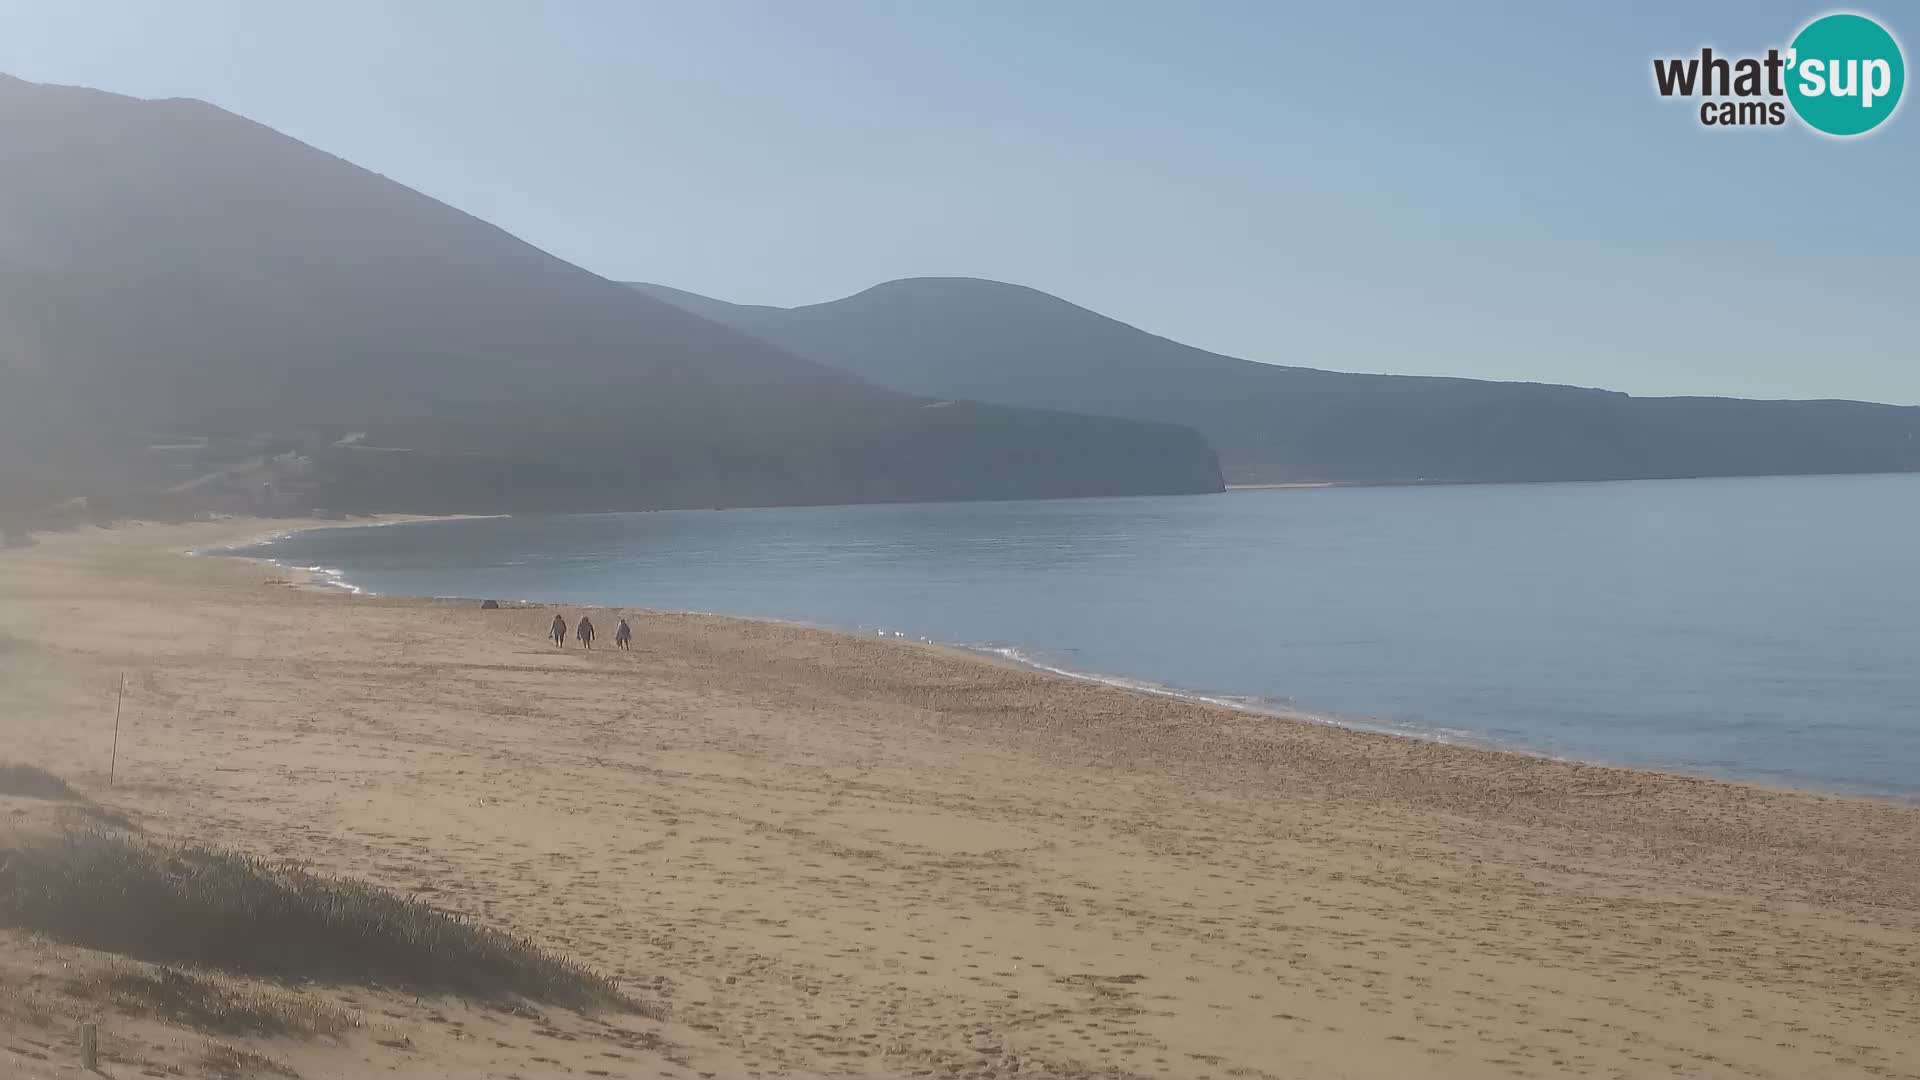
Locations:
(826, 854)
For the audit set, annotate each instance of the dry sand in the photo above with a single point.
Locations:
(832, 855)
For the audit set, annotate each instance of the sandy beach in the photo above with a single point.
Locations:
(822, 854)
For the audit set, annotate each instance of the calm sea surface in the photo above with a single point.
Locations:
(1767, 629)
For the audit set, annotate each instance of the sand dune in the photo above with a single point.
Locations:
(827, 855)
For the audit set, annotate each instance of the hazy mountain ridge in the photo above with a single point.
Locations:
(170, 268)
(990, 341)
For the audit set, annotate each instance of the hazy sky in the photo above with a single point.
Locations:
(1487, 190)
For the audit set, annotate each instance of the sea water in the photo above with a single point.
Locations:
(1765, 629)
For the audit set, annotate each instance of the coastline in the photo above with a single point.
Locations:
(318, 577)
(333, 579)
(841, 854)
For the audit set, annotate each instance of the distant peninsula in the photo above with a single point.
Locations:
(989, 341)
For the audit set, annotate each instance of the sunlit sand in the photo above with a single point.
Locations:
(824, 854)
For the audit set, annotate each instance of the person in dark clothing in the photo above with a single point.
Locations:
(584, 631)
(623, 635)
(558, 631)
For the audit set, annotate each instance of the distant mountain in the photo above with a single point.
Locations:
(965, 338)
(193, 301)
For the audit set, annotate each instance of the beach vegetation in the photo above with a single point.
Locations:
(209, 1002)
(190, 905)
(33, 782)
(226, 1062)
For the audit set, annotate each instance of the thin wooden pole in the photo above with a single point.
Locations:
(113, 764)
(89, 1048)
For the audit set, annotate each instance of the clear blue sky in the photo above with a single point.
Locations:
(1486, 190)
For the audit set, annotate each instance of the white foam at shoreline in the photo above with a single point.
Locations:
(331, 577)
(1257, 706)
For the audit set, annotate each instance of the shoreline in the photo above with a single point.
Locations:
(332, 579)
(829, 854)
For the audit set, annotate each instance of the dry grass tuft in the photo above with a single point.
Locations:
(212, 1004)
(224, 1062)
(217, 909)
(33, 782)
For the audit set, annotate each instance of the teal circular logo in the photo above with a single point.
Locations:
(1845, 74)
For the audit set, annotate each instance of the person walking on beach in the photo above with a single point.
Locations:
(584, 631)
(623, 636)
(558, 631)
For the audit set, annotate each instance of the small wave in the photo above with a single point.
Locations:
(1249, 704)
(332, 577)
